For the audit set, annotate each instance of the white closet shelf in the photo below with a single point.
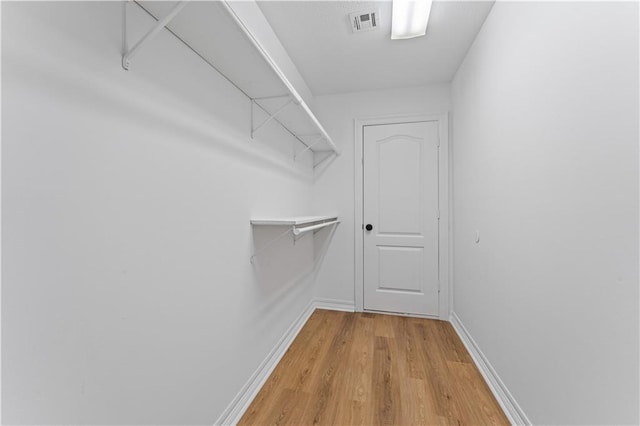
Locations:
(297, 225)
(294, 221)
(250, 67)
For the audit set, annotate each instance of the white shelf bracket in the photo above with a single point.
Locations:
(270, 117)
(298, 230)
(315, 142)
(270, 243)
(325, 158)
(130, 53)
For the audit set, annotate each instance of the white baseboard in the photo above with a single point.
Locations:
(503, 396)
(335, 305)
(234, 411)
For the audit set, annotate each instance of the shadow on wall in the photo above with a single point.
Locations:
(281, 260)
(322, 240)
(323, 163)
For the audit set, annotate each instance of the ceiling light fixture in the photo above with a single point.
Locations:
(410, 18)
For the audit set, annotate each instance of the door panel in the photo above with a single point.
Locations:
(399, 268)
(401, 202)
(399, 193)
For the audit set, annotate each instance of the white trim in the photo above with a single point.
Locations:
(452, 224)
(443, 201)
(1, 222)
(503, 396)
(234, 411)
(335, 305)
(402, 314)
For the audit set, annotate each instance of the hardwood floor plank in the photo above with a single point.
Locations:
(322, 409)
(287, 409)
(453, 348)
(408, 348)
(364, 369)
(290, 372)
(359, 375)
(360, 414)
(438, 376)
(309, 354)
(418, 404)
(384, 325)
(480, 405)
(385, 384)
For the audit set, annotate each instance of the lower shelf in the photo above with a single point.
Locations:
(296, 225)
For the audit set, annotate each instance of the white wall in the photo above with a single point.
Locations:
(334, 188)
(127, 292)
(545, 136)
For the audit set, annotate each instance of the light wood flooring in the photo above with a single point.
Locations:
(348, 368)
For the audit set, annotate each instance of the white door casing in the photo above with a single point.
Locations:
(401, 208)
(401, 187)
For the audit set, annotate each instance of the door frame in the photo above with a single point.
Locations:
(444, 303)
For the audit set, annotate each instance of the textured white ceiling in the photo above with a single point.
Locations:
(332, 59)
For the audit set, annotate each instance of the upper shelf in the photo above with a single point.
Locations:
(219, 34)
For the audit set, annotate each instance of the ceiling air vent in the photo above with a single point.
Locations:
(364, 21)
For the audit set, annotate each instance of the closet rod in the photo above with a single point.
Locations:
(206, 61)
(298, 231)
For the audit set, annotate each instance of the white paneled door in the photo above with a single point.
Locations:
(401, 218)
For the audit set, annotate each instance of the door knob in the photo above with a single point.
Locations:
(369, 227)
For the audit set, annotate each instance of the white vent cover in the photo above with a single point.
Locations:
(364, 21)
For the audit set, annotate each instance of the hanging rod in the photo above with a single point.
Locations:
(298, 231)
(296, 225)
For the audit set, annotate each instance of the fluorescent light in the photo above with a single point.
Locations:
(410, 18)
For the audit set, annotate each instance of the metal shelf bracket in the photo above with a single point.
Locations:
(271, 116)
(315, 142)
(130, 53)
(297, 229)
(238, 16)
(269, 244)
(326, 157)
